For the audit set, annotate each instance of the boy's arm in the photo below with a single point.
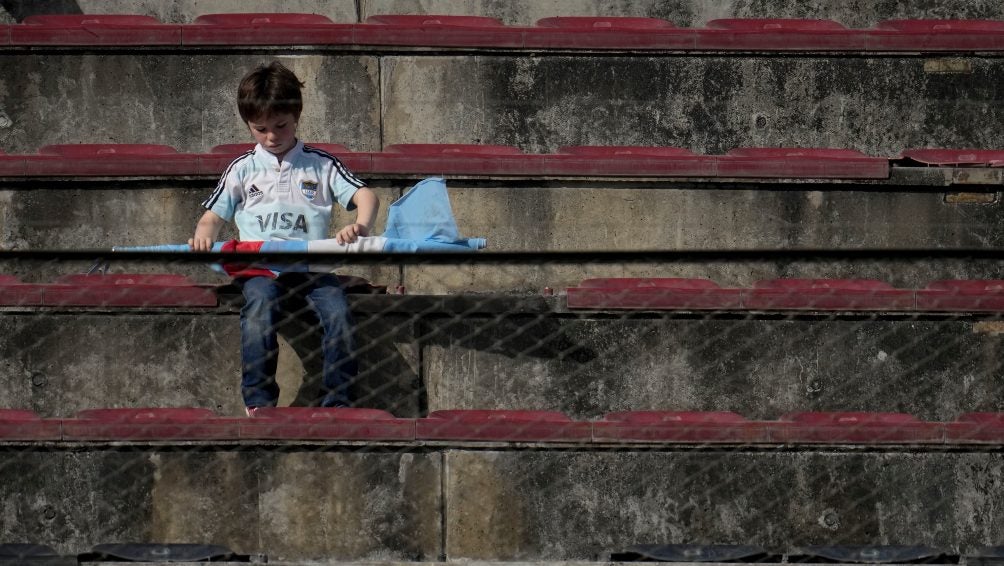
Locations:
(367, 206)
(206, 232)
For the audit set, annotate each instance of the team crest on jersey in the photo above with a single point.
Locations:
(254, 192)
(309, 189)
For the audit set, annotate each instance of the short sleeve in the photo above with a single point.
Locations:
(343, 184)
(228, 193)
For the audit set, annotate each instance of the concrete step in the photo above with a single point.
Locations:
(453, 353)
(321, 503)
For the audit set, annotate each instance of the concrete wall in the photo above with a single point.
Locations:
(544, 505)
(297, 504)
(300, 503)
(585, 366)
(57, 365)
(686, 13)
(550, 216)
(185, 101)
(708, 104)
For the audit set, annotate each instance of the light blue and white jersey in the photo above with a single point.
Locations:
(288, 201)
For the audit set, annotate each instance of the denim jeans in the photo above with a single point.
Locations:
(267, 302)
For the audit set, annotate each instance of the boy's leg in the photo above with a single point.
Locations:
(327, 298)
(259, 343)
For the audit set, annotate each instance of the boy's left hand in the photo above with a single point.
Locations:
(351, 233)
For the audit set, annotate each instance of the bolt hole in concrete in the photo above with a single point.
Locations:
(760, 121)
(38, 380)
(48, 513)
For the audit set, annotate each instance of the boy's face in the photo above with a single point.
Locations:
(275, 132)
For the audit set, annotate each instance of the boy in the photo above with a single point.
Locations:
(284, 190)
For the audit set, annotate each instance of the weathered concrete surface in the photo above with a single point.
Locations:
(855, 13)
(60, 364)
(548, 216)
(570, 505)
(178, 11)
(686, 216)
(585, 366)
(758, 368)
(693, 13)
(292, 504)
(182, 100)
(707, 104)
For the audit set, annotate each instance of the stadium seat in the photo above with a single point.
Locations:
(127, 290)
(981, 428)
(679, 426)
(112, 30)
(85, 160)
(265, 29)
(314, 423)
(652, 293)
(15, 293)
(150, 424)
(18, 424)
(827, 294)
(855, 428)
(962, 296)
(502, 426)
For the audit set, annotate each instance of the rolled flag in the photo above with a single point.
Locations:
(420, 221)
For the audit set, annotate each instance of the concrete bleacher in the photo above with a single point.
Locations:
(556, 148)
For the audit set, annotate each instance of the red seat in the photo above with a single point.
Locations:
(14, 293)
(630, 161)
(94, 30)
(456, 159)
(956, 157)
(437, 31)
(502, 426)
(855, 428)
(778, 34)
(962, 295)
(827, 294)
(110, 159)
(605, 23)
(419, 20)
(937, 35)
(128, 290)
(775, 24)
(652, 293)
(679, 426)
(266, 29)
(976, 428)
(800, 163)
(150, 424)
(18, 424)
(943, 26)
(312, 423)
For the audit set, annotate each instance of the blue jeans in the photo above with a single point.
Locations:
(267, 302)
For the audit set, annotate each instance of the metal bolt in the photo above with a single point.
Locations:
(761, 121)
(48, 513)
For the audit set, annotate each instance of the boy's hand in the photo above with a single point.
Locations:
(200, 244)
(351, 233)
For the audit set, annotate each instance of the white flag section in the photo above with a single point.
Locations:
(420, 221)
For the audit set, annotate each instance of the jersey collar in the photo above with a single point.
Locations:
(270, 160)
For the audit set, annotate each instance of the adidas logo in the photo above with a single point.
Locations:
(254, 192)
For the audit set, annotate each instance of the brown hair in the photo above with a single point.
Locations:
(269, 89)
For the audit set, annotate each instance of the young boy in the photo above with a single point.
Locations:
(284, 190)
